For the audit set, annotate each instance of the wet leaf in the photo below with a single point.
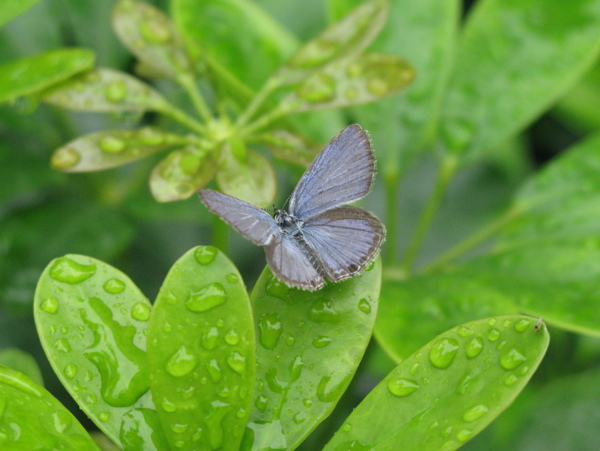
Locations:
(309, 346)
(107, 149)
(33, 74)
(292, 147)
(350, 82)
(105, 90)
(237, 34)
(33, 419)
(536, 51)
(12, 8)
(92, 321)
(449, 390)
(22, 362)
(344, 39)
(252, 180)
(201, 354)
(181, 174)
(148, 33)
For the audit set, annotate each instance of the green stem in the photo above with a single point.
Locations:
(446, 171)
(189, 84)
(181, 117)
(220, 234)
(263, 121)
(257, 101)
(391, 219)
(474, 240)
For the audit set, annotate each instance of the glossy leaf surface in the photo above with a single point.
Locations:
(33, 419)
(107, 149)
(35, 73)
(92, 321)
(202, 354)
(22, 362)
(309, 346)
(449, 390)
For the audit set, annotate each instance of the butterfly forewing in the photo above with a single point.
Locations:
(252, 222)
(341, 173)
(346, 239)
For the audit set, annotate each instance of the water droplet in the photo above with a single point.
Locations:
(506, 323)
(319, 87)
(50, 305)
(442, 353)
(233, 278)
(523, 371)
(321, 341)
(61, 421)
(464, 435)
(208, 297)
(70, 371)
(168, 406)
(232, 338)
(474, 347)
(522, 325)
(65, 158)
(62, 345)
(501, 345)
(512, 358)
(171, 298)
(414, 367)
(205, 254)
(307, 402)
(323, 312)
(210, 339)
(114, 286)
(299, 417)
(140, 311)
(290, 340)
(270, 329)
(237, 362)
(474, 413)
(347, 427)
(214, 371)
(116, 91)
(111, 144)
(91, 398)
(377, 86)
(399, 386)
(69, 271)
(330, 391)
(493, 334)
(167, 327)
(296, 368)
(104, 416)
(364, 306)
(220, 322)
(241, 413)
(151, 137)
(433, 425)
(277, 288)
(179, 428)
(465, 331)
(492, 321)
(463, 384)
(261, 403)
(182, 362)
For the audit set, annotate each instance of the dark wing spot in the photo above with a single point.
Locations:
(353, 267)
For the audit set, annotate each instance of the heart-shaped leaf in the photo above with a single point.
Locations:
(201, 354)
(92, 321)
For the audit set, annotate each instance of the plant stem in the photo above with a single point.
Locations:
(263, 121)
(257, 101)
(189, 84)
(175, 113)
(474, 240)
(446, 171)
(391, 219)
(220, 234)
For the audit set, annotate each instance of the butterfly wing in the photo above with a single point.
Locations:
(345, 239)
(289, 263)
(255, 224)
(341, 173)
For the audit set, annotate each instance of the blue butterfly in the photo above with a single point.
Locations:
(320, 238)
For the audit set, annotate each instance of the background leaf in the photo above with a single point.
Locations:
(12, 8)
(22, 362)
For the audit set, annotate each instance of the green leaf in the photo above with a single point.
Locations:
(12, 8)
(253, 180)
(363, 79)
(346, 39)
(148, 33)
(202, 355)
(105, 90)
(238, 34)
(35, 73)
(22, 362)
(181, 173)
(92, 321)
(414, 311)
(580, 107)
(534, 52)
(448, 391)
(107, 149)
(33, 419)
(309, 346)
(292, 147)
(410, 120)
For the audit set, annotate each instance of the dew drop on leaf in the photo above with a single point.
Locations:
(50, 305)
(464, 435)
(510, 380)
(231, 277)
(214, 371)
(512, 358)
(116, 91)
(69, 271)
(399, 386)
(111, 144)
(104, 416)
(140, 311)
(182, 362)
(237, 362)
(70, 371)
(114, 286)
(522, 325)
(62, 345)
(205, 254)
(464, 331)
(261, 403)
(474, 413)
(270, 329)
(277, 288)
(65, 158)
(232, 338)
(168, 406)
(322, 312)
(364, 306)
(321, 341)
(442, 353)
(210, 339)
(493, 334)
(474, 347)
(207, 298)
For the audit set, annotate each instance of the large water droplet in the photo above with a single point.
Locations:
(61, 421)
(463, 384)
(104, 416)
(321, 341)
(399, 386)
(474, 413)
(320, 87)
(443, 352)
(140, 311)
(512, 358)
(364, 306)
(277, 288)
(62, 345)
(65, 158)
(269, 327)
(493, 334)
(114, 286)
(116, 91)
(261, 403)
(111, 144)
(464, 331)
(323, 312)
(214, 371)
(182, 362)
(50, 305)
(233, 278)
(330, 391)
(168, 406)
(464, 434)
(205, 254)
(474, 347)
(69, 271)
(70, 371)
(232, 338)
(208, 297)
(522, 325)
(237, 362)
(296, 368)
(210, 339)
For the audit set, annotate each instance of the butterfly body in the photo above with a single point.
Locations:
(320, 238)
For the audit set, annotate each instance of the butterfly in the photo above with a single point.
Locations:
(320, 238)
